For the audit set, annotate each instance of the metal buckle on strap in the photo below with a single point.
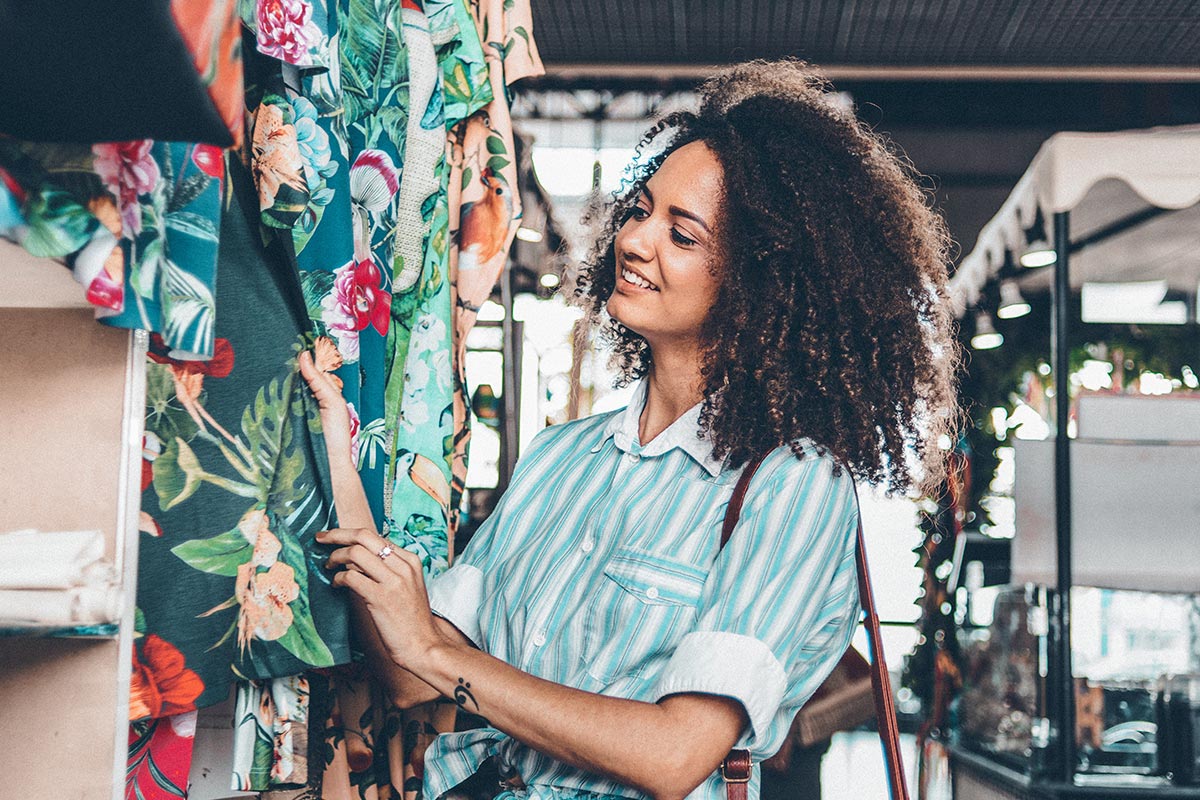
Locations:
(725, 776)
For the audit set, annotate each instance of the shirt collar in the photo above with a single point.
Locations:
(683, 433)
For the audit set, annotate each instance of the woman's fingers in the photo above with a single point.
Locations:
(345, 537)
(322, 383)
(361, 549)
(359, 558)
(356, 582)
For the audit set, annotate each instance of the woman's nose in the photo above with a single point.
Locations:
(636, 239)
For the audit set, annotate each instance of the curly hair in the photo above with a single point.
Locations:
(831, 321)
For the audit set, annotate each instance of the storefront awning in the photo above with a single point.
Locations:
(1102, 178)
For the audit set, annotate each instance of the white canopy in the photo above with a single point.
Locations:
(1101, 178)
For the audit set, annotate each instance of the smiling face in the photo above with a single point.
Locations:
(665, 285)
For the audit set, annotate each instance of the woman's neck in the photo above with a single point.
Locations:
(672, 388)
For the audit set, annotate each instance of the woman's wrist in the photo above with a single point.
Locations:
(436, 660)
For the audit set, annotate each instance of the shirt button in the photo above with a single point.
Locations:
(587, 546)
(632, 458)
(539, 639)
(652, 593)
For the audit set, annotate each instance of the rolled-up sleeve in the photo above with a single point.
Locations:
(456, 596)
(780, 605)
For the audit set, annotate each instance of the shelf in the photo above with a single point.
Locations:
(32, 282)
(106, 630)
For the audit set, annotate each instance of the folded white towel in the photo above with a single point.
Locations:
(32, 559)
(82, 605)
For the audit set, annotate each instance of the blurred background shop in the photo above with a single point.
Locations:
(1042, 615)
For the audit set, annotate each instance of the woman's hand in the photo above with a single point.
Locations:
(392, 586)
(327, 389)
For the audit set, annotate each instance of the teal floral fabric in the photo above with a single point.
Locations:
(136, 221)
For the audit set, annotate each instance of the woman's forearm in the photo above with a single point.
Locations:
(664, 749)
(405, 689)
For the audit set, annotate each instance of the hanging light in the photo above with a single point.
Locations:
(986, 336)
(1039, 254)
(1038, 258)
(1012, 305)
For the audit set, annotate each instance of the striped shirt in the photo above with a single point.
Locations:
(600, 569)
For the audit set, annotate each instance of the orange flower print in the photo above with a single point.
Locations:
(162, 684)
(264, 599)
(265, 585)
(276, 157)
(188, 377)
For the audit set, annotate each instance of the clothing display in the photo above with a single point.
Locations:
(372, 201)
(136, 221)
(237, 486)
(350, 164)
(595, 541)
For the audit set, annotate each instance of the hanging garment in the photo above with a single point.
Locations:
(160, 757)
(136, 221)
(484, 201)
(274, 716)
(231, 583)
(326, 164)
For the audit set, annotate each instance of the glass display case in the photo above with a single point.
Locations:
(1137, 689)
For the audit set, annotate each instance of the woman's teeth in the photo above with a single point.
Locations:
(638, 280)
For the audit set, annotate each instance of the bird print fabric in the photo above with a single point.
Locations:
(485, 206)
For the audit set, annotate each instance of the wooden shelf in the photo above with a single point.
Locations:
(71, 421)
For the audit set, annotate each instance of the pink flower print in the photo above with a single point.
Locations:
(374, 180)
(128, 170)
(358, 289)
(355, 429)
(283, 29)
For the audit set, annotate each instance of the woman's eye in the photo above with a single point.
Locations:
(680, 239)
(637, 212)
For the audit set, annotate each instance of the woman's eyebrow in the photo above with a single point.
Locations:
(679, 212)
(683, 212)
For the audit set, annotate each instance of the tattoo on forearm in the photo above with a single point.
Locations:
(462, 693)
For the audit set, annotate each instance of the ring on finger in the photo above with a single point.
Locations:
(385, 551)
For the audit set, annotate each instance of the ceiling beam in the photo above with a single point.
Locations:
(876, 72)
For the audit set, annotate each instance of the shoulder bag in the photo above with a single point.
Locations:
(735, 769)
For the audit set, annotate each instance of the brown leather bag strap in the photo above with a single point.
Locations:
(733, 511)
(736, 767)
(881, 682)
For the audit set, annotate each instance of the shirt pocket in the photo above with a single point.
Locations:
(645, 605)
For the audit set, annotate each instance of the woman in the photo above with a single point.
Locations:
(776, 280)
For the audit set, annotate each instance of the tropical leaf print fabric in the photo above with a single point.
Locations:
(231, 583)
(137, 222)
(160, 757)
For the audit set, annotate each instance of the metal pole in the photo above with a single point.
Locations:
(1064, 705)
(512, 378)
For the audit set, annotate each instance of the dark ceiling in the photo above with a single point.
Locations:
(872, 32)
(968, 88)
